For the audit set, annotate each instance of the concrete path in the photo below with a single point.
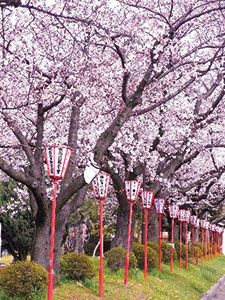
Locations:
(217, 292)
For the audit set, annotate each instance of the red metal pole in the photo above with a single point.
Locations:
(180, 258)
(146, 245)
(171, 249)
(186, 266)
(218, 243)
(214, 244)
(197, 260)
(210, 244)
(52, 238)
(193, 252)
(222, 242)
(128, 246)
(202, 244)
(160, 253)
(100, 288)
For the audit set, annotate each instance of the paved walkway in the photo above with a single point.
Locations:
(217, 292)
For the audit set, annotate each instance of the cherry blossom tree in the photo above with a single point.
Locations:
(124, 81)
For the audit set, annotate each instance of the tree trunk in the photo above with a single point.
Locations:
(40, 248)
(153, 231)
(121, 235)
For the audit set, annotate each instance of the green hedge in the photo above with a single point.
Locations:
(76, 266)
(116, 258)
(152, 258)
(23, 278)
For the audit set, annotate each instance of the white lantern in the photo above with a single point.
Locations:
(187, 216)
(203, 224)
(100, 185)
(193, 220)
(57, 158)
(132, 188)
(147, 198)
(173, 211)
(217, 229)
(159, 205)
(182, 215)
(207, 225)
(213, 227)
(197, 224)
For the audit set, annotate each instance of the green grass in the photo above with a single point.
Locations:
(181, 284)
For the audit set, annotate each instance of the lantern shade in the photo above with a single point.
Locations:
(187, 216)
(173, 211)
(203, 224)
(197, 223)
(57, 158)
(182, 215)
(193, 220)
(217, 229)
(159, 205)
(132, 188)
(100, 185)
(147, 198)
(213, 227)
(207, 225)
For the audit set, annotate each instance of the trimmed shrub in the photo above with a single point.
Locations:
(154, 246)
(116, 258)
(76, 266)
(196, 249)
(183, 250)
(166, 252)
(22, 279)
(139, 251)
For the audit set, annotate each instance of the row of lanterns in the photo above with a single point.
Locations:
(132, 187)
(57, 159)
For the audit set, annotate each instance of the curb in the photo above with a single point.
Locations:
(214, 289)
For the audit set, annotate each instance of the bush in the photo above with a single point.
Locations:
(183, 249)
(154, 246)
(116, 258)
(76, 266)
(166, 252)
(22, 279)
(152, 258)
(196, 250)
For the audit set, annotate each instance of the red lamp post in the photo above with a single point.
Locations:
(193, 220)
(206, 226)
(132, 188)
(57, 158)
(202, 222)
(147, 198)
(210, 241)
(173, 211)
(100, 186)
(218, 239)
(187, 220)
(221, 238)
(213, 229)
(159, 207)
(197, 224)
(181, 218)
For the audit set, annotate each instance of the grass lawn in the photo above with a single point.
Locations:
(181, 284)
